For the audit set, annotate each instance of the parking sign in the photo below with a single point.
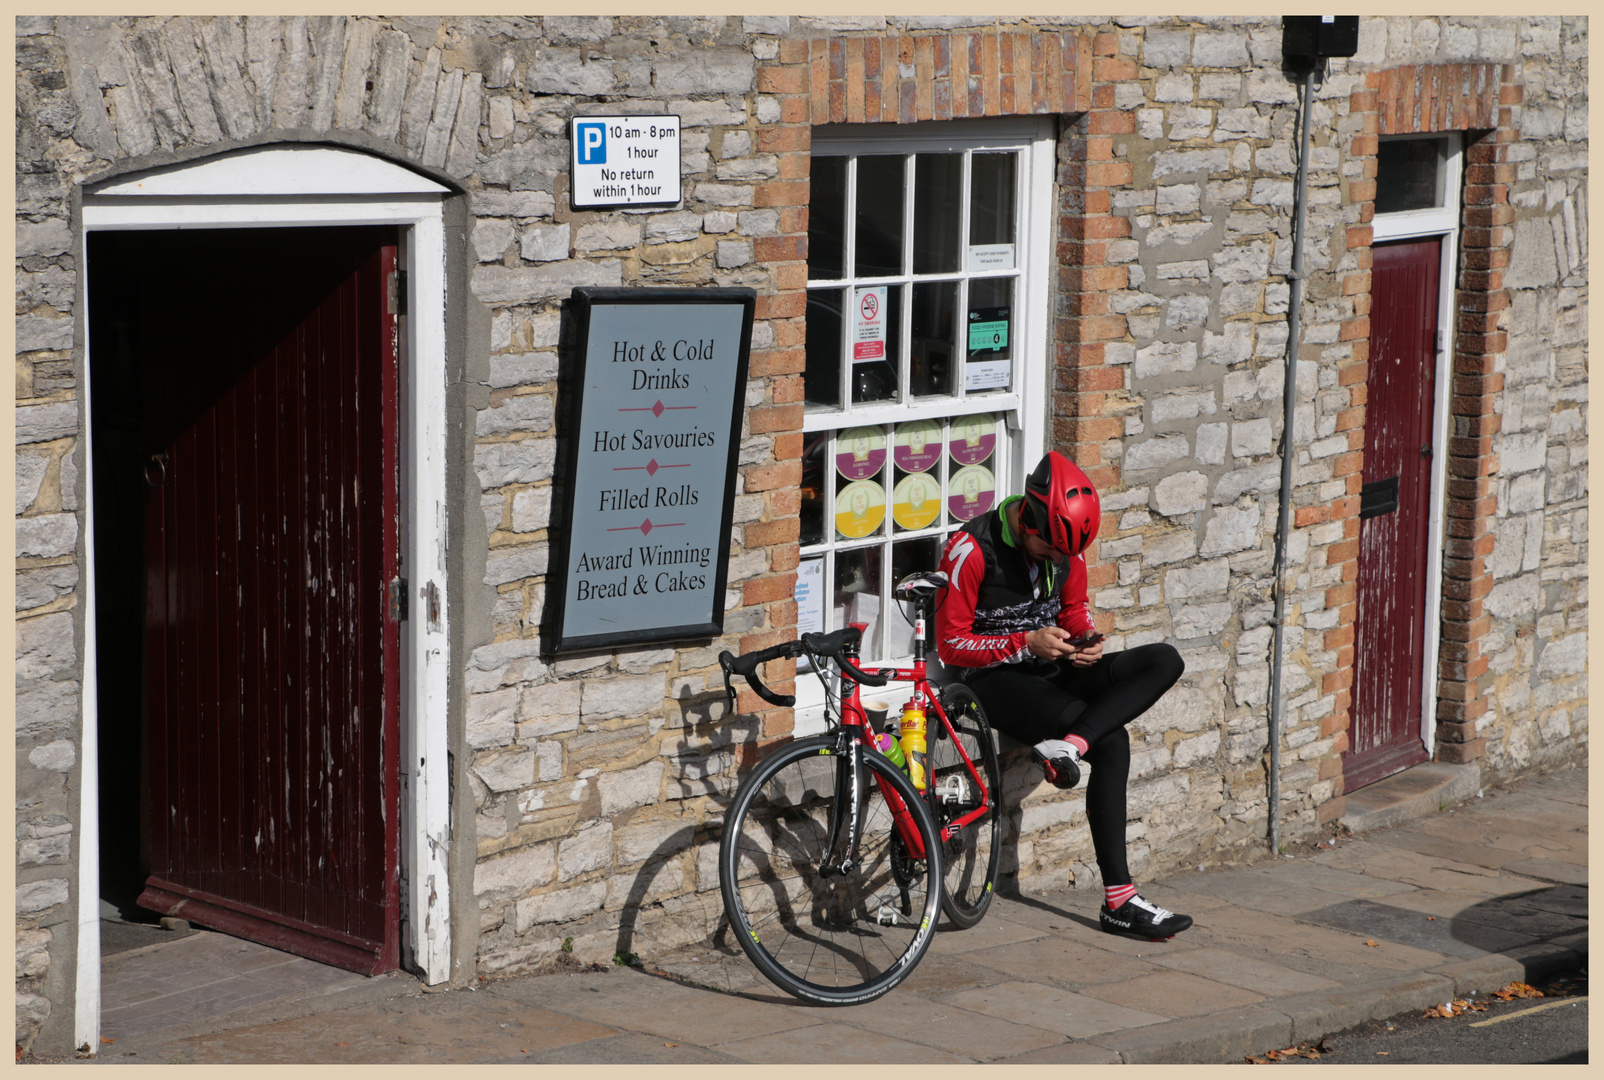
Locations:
(625, 161)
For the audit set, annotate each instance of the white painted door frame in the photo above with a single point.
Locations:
(297, 187)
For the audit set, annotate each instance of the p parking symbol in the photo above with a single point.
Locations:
(592, 143)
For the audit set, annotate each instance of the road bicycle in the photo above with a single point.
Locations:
(833, 866)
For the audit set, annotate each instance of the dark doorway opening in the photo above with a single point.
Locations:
(244, 402)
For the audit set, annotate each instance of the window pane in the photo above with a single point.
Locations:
(988, 354)
(857, 593)
(1409, 174)
(878, 251)
(907, 557)
(827, 218)
(876, 342)
(931, 348)
(821, 381)
(938, 188)
(812, 509)
(991, 200)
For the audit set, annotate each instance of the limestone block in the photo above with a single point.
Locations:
(1562, 658)
(1184, 270)
(1197, 581)
(1271, 87)
(548, 243)
(627, 788)
(491, 718)
(766, 24)
(657, 882)
(1043, 813)
(1523, 452)
(31, 469)
(1525, 494)
(57, 756)
(52, 236)
(517, 413)
(39, 331)
(1231, 529)
(1201, 620)
(36, 588)
(1157, 452)
(531, 509)
(1167, 163)
(50, 286)
(635, 696)
(522, 369)
(589, 849)
(606, 235)
(724, 194)
(33, 952)
(566, 71)
(1149, 122)
(1167, 48)
(1277, 193)
(563, 905)
(1229, 50)
(1164, 358)
(1243, 263)
(676, 228)
(1261, 480)
(1252, 438)
(1170, 547)
(730, 254)
(513, 204)
(506, 565)
(37, 897)
(46, 708)
(548, 709)
(505, 770)
(1225, 88)
(45, 644)
(491, 236)
(1181, 493)
(505, 876)
(1178, 199)
(1186, 312)
(1514, 598)
(526, 284)
(1210, 444)
(653, 840)
(1189, 752)
(1177, 87)
(47, 536)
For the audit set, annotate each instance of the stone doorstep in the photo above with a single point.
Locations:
(1417, 792)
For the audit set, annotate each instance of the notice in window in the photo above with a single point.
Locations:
(810, 596)
(869, 325)
(988, 357)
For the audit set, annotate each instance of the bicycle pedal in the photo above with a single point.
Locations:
(951, 789)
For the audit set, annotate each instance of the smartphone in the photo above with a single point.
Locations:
(1082, 642)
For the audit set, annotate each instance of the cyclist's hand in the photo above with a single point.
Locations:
(1049, 642)
(1088, 654)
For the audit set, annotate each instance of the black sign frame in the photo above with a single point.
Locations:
(571, 417)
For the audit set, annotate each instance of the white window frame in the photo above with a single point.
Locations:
(301, 186)
(1024, 408)
(1440, 221)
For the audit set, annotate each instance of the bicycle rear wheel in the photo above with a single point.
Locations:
(970, 856)
(832, 937)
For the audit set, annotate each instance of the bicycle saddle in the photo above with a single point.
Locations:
(921, 584)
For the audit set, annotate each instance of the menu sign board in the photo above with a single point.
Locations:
(655, 408)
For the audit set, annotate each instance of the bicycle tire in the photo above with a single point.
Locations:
(821, 938)
(971, 857)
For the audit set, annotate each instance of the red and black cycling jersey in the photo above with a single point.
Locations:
(993, 601)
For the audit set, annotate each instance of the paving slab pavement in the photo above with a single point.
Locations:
(1287, 950)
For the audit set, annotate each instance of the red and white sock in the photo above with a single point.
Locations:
(1078, 743)
(1116, 895)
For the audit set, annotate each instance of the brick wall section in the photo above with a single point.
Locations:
(1449, 97)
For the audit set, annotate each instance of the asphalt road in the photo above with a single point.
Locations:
(1549, 1030)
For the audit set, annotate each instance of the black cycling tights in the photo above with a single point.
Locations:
(1036, 701)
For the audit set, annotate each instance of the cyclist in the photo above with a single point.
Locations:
(1014, 626)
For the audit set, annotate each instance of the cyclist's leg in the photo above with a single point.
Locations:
(1118, 689)
(1110, 759)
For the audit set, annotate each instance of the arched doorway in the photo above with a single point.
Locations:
(266, 423)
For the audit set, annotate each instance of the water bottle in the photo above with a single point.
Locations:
(913, 741)
(888, 745)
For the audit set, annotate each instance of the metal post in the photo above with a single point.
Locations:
(1289, 397)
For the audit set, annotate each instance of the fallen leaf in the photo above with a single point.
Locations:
(342, 1044)
(1431, 918)
(1517, 990)
(1374, 944)
(1383, 1053)
(671, 1045)
(106, 1040)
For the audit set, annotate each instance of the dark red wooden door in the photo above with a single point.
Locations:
(1394, 513)
(272, 658)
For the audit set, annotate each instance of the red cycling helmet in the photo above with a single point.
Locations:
(1061, 505)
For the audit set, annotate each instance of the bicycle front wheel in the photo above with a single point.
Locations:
(823, 932)
(972, 851)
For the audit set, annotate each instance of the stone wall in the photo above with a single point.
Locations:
(597, 781)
